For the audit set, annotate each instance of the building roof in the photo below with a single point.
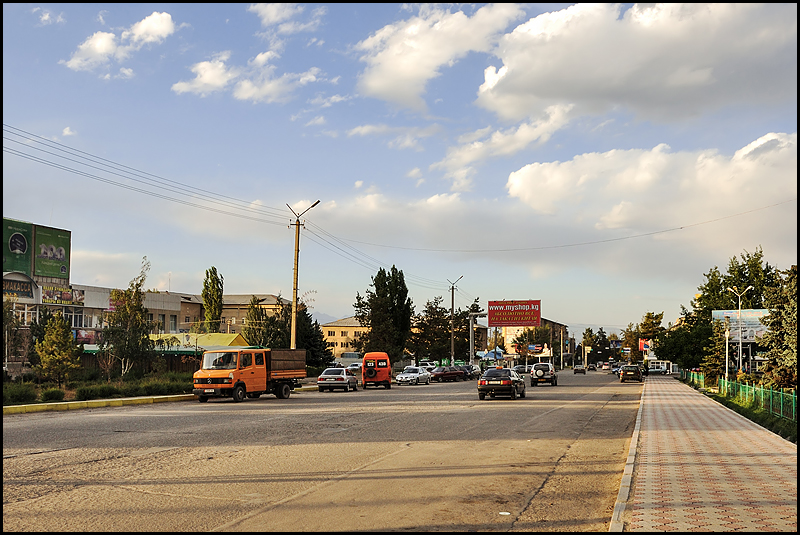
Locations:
(204, 340)
(344, 322)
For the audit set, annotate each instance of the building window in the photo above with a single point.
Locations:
(162, 322)
(344, 334)
(331, 333)
(173, 323)
(356, 334)
(233, 320)
(186, 321)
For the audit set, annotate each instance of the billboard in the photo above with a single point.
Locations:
(51, 252)
(750, 326)
(514, 313)
(17, 246)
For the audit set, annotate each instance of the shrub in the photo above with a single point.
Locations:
(18, 393)
(85, 393)
(53, 394)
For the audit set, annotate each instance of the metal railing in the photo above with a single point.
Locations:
(776, 402)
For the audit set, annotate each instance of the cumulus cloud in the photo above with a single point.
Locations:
(68, 132)
(101, 48)
(645, 189)
(476, 147)
(402, 137)
(210, 76)
(402, 57)
(660, 61)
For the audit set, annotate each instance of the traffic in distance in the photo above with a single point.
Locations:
(251, 372)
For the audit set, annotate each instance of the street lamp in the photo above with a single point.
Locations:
(293, 344)
(735, 290)
(452, 335)
(727, 335)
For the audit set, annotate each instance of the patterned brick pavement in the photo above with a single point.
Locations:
(702, 467)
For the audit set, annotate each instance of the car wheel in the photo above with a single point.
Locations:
(481, 395)
(321, 389)
(522, 394)
(355, 387)
(416, 381)
(533, 383)
(238, 393)
(347, 387)
(202, 399)
(513, 393)
(491, 395)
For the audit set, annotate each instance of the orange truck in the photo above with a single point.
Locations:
(236, 372)
(376, 370)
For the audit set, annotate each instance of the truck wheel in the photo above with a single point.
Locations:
(283, 391)
(387, 386)
(202, 399)
(238, 393)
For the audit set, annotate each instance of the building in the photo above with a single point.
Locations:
(340, 334)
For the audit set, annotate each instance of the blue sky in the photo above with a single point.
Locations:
(600, 158)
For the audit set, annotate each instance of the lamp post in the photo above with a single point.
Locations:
(452, 333)
(293, 344)
(727, 335)
(735, 290)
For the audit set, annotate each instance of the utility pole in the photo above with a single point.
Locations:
(452, 331)
(293, 344)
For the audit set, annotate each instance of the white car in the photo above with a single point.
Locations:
(413, 375)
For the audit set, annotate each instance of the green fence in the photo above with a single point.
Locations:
(777, 402)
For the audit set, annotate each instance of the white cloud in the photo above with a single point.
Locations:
(403, 137)
(661, 61)
(646, 189)
(272, 14)
(316, 121)
(101, 47)
(210, 76)
(263, 86)
(46, 16)
(460, 161)
(402, 57)
(68, 132)
(327, 102)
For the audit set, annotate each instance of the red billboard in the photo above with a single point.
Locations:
(515, 313)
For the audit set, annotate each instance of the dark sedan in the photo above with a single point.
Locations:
(630, 372)
(447, 373)
(503, 381)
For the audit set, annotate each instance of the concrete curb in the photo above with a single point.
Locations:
(94, 403)
(617, 524)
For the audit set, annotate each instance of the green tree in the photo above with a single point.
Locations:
(427, 340)
(256, 324)
(781, 337)
(37, 329)
(12, 334)
(212, 298)
(685, 343)
(57, 351)
(713, 365)
(386, 311)
(126, 334)
(311, 338)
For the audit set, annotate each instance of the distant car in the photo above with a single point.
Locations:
(355, 368)
(630, 372)
(503, 381)
(657, 370)
(578, 368)
(544, 372)
(523, 368)
(591, 368)
(413, 375)
(606, 366)
(333, 378)
(615, 370)
(469, 372)
(446, 373)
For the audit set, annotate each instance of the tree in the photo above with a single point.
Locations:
(212, 299)
(57, 351)
(12, 335)
(781, 337)
(256, 324)
(126, 334)
(427, 340)
(38, 328)
(386, 311)
(713, 365)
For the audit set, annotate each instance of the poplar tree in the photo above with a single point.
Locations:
(212, 299)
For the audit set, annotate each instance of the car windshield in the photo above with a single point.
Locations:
(219, 361)
(494, 372)
(409, 369)
(334, 371)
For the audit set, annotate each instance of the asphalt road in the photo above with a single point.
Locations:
(413, 458)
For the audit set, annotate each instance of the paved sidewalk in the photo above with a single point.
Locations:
(700, 466)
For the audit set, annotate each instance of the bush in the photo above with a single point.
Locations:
(18, 393)
(53, 394)
(780, 426)
(86, 393)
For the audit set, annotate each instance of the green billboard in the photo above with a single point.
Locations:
(17, 246)
(51, 252)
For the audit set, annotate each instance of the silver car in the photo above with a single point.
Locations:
(413, 375)
(333, 378)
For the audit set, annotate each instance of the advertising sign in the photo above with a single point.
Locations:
(57, 295)
(514, 313)
(17, 246)
(750, 326)
(18, 288)
(51, 252)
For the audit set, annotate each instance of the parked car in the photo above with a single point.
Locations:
(657, 370)
(544, 372)
(413, 375)
(578, 368)
(615, 370)
(355, 368)
(591, 368)
(332, 378)
(446, 373)
(523, 368)
(630, 372)
(502, 381)
(606, 366)
(470, 372)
